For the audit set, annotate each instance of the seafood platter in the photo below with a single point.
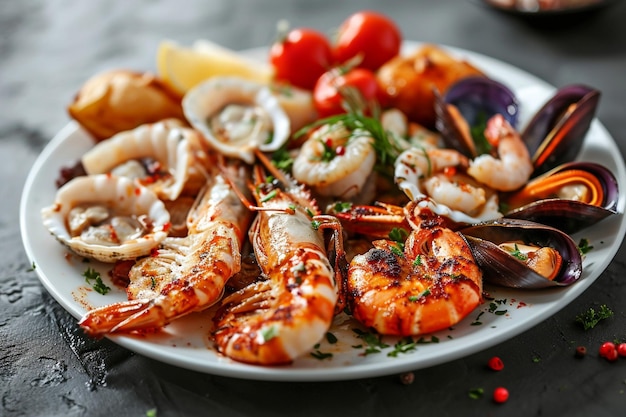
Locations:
(247, 228)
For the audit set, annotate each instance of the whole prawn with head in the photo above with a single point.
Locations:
(186, 274)
(283, 315)
(429, 284)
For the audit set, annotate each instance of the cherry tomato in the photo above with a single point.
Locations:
(333, 89)
(371, 34)
(301, 57)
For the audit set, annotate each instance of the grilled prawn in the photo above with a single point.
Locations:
(186, 274)
(429, 285)
(289, 310)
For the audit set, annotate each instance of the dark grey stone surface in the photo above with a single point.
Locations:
(49, 368)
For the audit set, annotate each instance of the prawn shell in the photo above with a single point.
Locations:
(122, 193)
(556, 132)
(211, 96)
(502, 269)
(474, 98)
(570, 216)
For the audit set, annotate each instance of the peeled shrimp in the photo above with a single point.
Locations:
(513, 167)
(281, 317)
(335, 162)
(430, 285)
(435, 177)
(186, 274)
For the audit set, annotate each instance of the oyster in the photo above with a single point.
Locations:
(107, 218)
(157, 155)
(522, 254)
(237, 116)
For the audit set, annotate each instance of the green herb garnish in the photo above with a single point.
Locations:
(590, 318)
(478, 134)
(269, 333)
(403, 346)
(516, 253)
(374, 343)
(584, 247)
(93, 278)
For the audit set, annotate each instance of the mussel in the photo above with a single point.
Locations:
(570, 197)
(463, 111)
(554, 135)
(523, 254)
(556, 132)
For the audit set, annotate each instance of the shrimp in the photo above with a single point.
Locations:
(513, 167)
(282, 316)
(336, 162)
(187, 274)
(430, 285)
(435, 177)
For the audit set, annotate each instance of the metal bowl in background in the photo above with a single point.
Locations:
(553, 12)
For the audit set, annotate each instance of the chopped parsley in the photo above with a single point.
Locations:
(584, 247)
(478, 134)
(342, 207)
(317, 354)
(418, 261)
(282, 159)
(93, 278)
(403, 346)
(269, 196)
(374, 343)
(476, 393)
(590, 318)
(151, 413)
(424, 293)
(493, 308)
(331, 338)
(396, 250)
(516, 253)
(269, 333)
(329, 152)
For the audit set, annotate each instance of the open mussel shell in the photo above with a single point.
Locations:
(500, 268)
(556, 132)
(467, 105)
(570, 197)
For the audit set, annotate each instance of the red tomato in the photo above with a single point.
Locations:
(331, 89)
(301, 57)
(371, 34)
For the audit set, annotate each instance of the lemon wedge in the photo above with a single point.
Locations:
(185, 67)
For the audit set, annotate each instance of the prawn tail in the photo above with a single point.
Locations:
(123, 317)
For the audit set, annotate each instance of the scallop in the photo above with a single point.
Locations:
(237, 116)
(107, 218)
(158, 155)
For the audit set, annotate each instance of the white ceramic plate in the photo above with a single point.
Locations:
(186, 342)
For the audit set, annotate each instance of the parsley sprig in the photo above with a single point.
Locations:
(93, 278)
(590, 318)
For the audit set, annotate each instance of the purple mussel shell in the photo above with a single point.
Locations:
(476, 99)
(502, 269)
(570, 216)
(556, 132)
